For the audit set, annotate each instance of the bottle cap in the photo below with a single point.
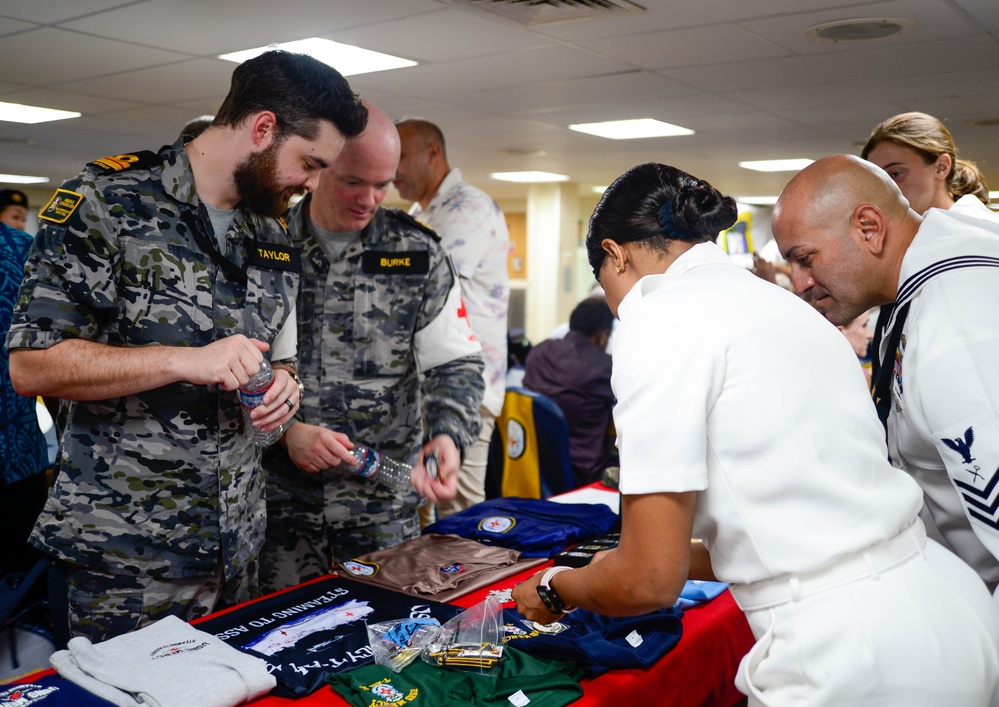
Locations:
(432, 463)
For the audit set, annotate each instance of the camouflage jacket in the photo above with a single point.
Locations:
(370, 325)
(162, 482)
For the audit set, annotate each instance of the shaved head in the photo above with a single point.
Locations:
(832, 187)
(353, 188)
(380, 138)
(843, 225)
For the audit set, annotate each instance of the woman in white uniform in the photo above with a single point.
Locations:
(790, 490)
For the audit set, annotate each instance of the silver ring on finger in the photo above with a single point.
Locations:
(291, 405)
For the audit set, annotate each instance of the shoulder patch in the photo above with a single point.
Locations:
(118, 163)
(403, 217)
(61, 206)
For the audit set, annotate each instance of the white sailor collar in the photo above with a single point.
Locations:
(947, 234)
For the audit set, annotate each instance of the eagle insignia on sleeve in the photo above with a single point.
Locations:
(962, 446)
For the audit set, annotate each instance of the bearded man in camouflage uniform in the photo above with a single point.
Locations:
(379, 307)
(156, 284)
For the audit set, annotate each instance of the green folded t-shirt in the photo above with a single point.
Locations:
(544, 683)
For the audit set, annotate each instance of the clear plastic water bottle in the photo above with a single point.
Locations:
(251, 395)
(372, 465)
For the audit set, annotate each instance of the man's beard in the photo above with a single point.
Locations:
(257, 184)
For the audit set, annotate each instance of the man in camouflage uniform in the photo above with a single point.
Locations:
(379, 308)
(154, 287)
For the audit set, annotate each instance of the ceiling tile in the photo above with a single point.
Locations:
(716, 44)
(29, 57)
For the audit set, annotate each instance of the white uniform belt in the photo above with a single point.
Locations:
(869, 562)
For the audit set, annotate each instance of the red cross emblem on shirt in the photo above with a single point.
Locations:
(463, 312)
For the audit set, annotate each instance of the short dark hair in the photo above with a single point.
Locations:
(656, 204)
(591, 316)
(299, 90)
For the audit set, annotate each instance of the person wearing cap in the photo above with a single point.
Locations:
(13, 208)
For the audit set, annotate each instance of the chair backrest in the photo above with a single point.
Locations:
(529, 451)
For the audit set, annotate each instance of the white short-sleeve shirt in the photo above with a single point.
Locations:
(735, 388)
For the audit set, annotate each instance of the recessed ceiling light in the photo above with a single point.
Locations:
(524, 151)
(21, 179)
(631, 129)
(345, 58)
(757, 200)
(860, 30)
(529, 177)
(18, 113)
(777, 165)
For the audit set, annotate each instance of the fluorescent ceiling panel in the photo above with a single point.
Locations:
(21, 179)
(345, 58)
(777, 165)
(631, 129)
(18, 113)
(529, 177)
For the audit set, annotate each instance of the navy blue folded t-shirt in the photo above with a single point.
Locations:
(597, 643)
(537, 528)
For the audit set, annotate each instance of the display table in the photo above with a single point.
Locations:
(699, 672)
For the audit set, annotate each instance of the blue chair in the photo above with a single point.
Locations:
(529, 450)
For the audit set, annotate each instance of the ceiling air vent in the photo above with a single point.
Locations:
(545, 12)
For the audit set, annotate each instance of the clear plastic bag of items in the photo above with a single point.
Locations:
(470, 641)
(396, 644)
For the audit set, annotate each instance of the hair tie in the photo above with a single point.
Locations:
(667, 225)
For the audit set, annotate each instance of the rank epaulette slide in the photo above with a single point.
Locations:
(131, 160)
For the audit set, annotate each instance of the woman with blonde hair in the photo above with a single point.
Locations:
(918, 153)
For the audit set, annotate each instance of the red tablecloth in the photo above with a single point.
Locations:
(699, 672)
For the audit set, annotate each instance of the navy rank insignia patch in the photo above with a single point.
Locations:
(61, 206)
(962, 446)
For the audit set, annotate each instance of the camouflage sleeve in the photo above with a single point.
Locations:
(450, 358)
(69, 288)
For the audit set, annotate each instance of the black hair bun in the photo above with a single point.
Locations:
(701, 211)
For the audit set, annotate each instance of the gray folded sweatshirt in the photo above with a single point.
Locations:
(166, 664)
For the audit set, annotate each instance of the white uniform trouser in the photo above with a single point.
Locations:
(904, 623)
